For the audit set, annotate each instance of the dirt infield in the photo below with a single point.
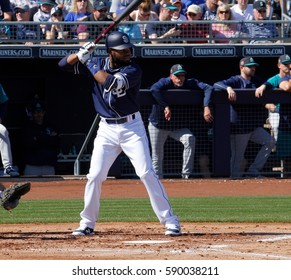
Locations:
(209, 241)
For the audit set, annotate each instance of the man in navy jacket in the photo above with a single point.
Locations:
(165, 120)
(246, 121)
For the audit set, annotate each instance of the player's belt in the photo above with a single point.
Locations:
(121, 120)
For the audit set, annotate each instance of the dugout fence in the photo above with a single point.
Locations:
(212, 151)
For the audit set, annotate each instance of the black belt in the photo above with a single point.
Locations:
(121, 120)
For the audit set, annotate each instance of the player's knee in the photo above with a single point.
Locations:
(271, 143)
(148, 174)
(189, 140)
(99, 177)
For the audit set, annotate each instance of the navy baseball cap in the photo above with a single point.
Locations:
(248, 61)
(100, 5)
(259, 5)
(284, 59)
(177, 69)
(21, 7)
(38, 107)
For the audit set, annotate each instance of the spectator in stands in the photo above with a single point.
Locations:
(132, 30)
(55, 30)
(6, 10)
(44, 13)
(116, 3)
(163, 31)
(224, 32)
(194, 33)
(25, 33)
(5, 32)
(5, 146)
(187, 3)
(284, 64)
(178, 15)
(275, 10)
(32, 4)
(158, 5)
(272, 8)
(165, 119)
(5, 15)
(261, 33)
(65, 5)
(80, 11)
(99, 14)
(209, 9)
(246, 121)
(285, 6)
(242, 11)
(144, 13)
(40, 144)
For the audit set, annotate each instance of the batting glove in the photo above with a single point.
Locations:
(83, 55)
(90, 47)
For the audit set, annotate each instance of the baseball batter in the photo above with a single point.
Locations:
(115, 82)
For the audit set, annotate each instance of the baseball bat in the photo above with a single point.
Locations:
(132, 6)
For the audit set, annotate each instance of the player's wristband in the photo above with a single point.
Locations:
(92, 67)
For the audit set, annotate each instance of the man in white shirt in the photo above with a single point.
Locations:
(242, 11)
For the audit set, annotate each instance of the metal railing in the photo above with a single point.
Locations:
(33, 33)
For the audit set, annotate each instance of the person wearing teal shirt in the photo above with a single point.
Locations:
(284, 62)
(132, 30)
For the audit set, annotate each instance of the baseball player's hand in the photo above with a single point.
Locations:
(259, 91)
(167, 113)
(172, 32)
(207, 114)
(83, 55)
(90, 47)
(272, 107)
(231, 94)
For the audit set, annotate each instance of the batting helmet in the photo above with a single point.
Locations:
(118, 41)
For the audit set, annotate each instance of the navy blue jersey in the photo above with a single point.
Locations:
(244, 117)
(157, 117)
(111, 100)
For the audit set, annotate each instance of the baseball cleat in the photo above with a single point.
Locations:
(173, 231)
(86, 231)
(11, 172)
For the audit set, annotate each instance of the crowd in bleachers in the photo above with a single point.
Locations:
(184, 21)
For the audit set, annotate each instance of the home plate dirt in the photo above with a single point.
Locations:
(139, 241)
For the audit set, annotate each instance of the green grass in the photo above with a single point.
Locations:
(194, 209)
